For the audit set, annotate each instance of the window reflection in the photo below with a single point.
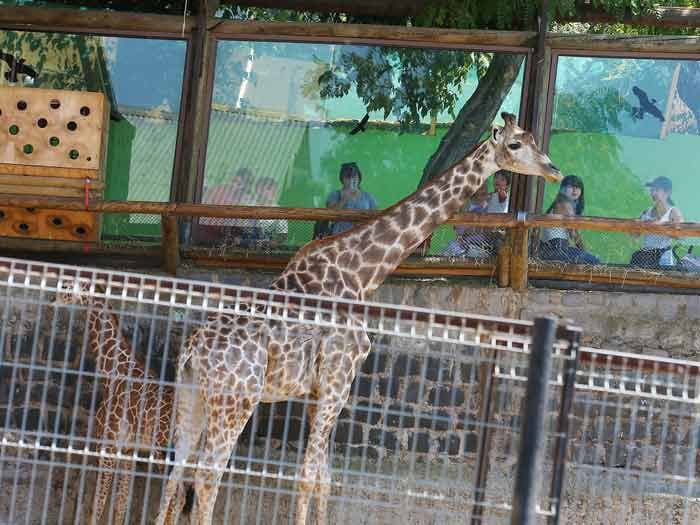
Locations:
(298, 113)
(628, 129)
(142, 78)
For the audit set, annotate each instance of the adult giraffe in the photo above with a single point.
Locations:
(239, 361)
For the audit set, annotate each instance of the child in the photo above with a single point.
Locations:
(572, 187)
(555, 243)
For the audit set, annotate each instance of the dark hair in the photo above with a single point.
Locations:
(504, 174)
(559, 199)
(348, 169)
(576, 182)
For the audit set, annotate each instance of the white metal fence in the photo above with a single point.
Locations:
(429, 434)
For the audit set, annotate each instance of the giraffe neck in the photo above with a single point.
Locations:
(113, 352)
(355, 263)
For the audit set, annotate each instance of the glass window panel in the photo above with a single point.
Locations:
(619, 123)
(287, 116)
(142, 79)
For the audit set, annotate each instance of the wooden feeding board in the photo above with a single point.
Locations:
(51, 143)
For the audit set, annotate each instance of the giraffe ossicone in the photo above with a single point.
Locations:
(264, 361)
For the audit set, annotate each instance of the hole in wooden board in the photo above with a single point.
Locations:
(72, 126)
(30, 210)
(23, 227)
(22, 105)
(88, 159)
(14, 129)
(57, 221)
(42, 122)
(73, 154)
(54, 141)
(2, 215)
(85, 111)
(55, 104)
(28, 149)
(80, 230)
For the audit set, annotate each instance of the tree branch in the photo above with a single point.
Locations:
(476, 115)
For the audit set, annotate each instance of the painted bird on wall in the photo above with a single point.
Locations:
(17, 67)
(645, 106)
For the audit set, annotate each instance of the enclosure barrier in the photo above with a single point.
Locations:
(430, 432)
(512, 265)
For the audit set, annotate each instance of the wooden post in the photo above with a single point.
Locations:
(170, 243)
(503, 256)
(519, 258)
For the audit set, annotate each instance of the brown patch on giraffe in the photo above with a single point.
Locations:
(366, 274)
(472, 179)
(419, 214)
(403, 220)
(393, 256)
(387, 236)
(478, 166)
(373, 254)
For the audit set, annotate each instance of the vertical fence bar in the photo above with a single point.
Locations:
(565, 405)
(533, 427)
(171, 244)
(484, 447)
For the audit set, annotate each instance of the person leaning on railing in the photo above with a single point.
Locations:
(556, 243)
(656, 249)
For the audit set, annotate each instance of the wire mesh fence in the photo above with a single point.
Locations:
(429, 432)
(634, 440)
(601, 251)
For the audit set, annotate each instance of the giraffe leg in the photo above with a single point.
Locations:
(188, 430)
(315, 473)
(124, 480)
(105, 474)
(225, 423)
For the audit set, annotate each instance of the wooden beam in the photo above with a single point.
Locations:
(92, 21)
(666, 17)
(610, 275)
(340, 32)
(683, 229)
(645, 44)
(390, 8)
(408, 267)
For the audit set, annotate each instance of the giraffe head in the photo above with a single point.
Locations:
(515, 150)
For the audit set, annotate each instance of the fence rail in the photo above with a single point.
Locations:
(513, 264)
(429, 433)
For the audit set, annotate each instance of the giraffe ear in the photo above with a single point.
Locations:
(508, 118)
(497, 133)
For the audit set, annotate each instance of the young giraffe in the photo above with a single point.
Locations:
(132, 413)
(238, 361)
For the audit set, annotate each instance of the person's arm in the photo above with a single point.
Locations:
(333, 200)
(676, 215)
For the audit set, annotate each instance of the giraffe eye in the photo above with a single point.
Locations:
(515, 145)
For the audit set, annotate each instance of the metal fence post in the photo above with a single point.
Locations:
(532, 435)
(565, 406)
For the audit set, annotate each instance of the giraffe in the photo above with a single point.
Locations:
(132, 413)
(238, 361)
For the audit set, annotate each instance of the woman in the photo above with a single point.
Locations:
(350, 196)
(572, 187)
(556, 243)
(656, 249)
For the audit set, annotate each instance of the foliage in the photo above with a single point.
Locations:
(590, 111)
(409, 83)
